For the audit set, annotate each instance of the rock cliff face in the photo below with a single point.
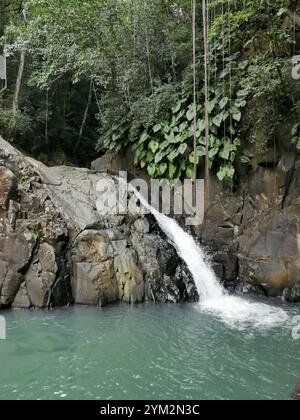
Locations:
(254, 249)
(56, 248)
(33, 238)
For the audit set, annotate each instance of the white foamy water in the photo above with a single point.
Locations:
(232, 310)
(240, 313)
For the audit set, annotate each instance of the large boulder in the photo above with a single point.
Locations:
(129, 276)
(41, 276)
(128, 264)
(94, 280)
(115, 162)
(94, 283)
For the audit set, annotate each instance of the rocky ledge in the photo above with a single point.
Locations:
(55, 248)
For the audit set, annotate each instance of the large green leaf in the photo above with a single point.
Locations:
(183, 126)
(182, 148)
(201, 126)
(227, 149)
(193, 157)
(190, 173)
(170, 137)
(158, 157)
(164, 144)
(151, 169)
(150, 156)
(223, 102)
(213, 152)
(173, 155)
(144, 137)
(154, 146)
(217, 120)
(240, 103)
(243, 93)
(212, 105)
(116, 136)
(139, 154)
(172, 170)
(179, 116)
(201, 151)
(177, 107)
(237, 116)
(157, 128)
(190, 115)
(162, 168)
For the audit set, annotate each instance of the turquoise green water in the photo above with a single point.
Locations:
(144, 352)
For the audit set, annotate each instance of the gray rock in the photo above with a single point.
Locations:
(129, 276)
(8, 187)
(296, 392)
(142, 226)
(10, 288)
(269, 254)
(95, 283)
(22, 300)
(41, 276)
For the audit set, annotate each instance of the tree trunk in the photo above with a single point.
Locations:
(15, 105)
(207, 130)
(85, 116)
(5, 75)
(149, 61)
(195, 96)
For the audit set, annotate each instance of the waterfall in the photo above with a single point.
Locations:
(236, 312)
(206, 282)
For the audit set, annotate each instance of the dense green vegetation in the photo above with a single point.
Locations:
(110, 74)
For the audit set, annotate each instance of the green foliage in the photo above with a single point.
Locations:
(11, 122)
(138, 55)
(169, 144)
(164, 144)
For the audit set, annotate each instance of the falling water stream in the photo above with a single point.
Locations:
(232, 310)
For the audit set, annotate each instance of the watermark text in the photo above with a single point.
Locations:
(170, 198)
(2, 328)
